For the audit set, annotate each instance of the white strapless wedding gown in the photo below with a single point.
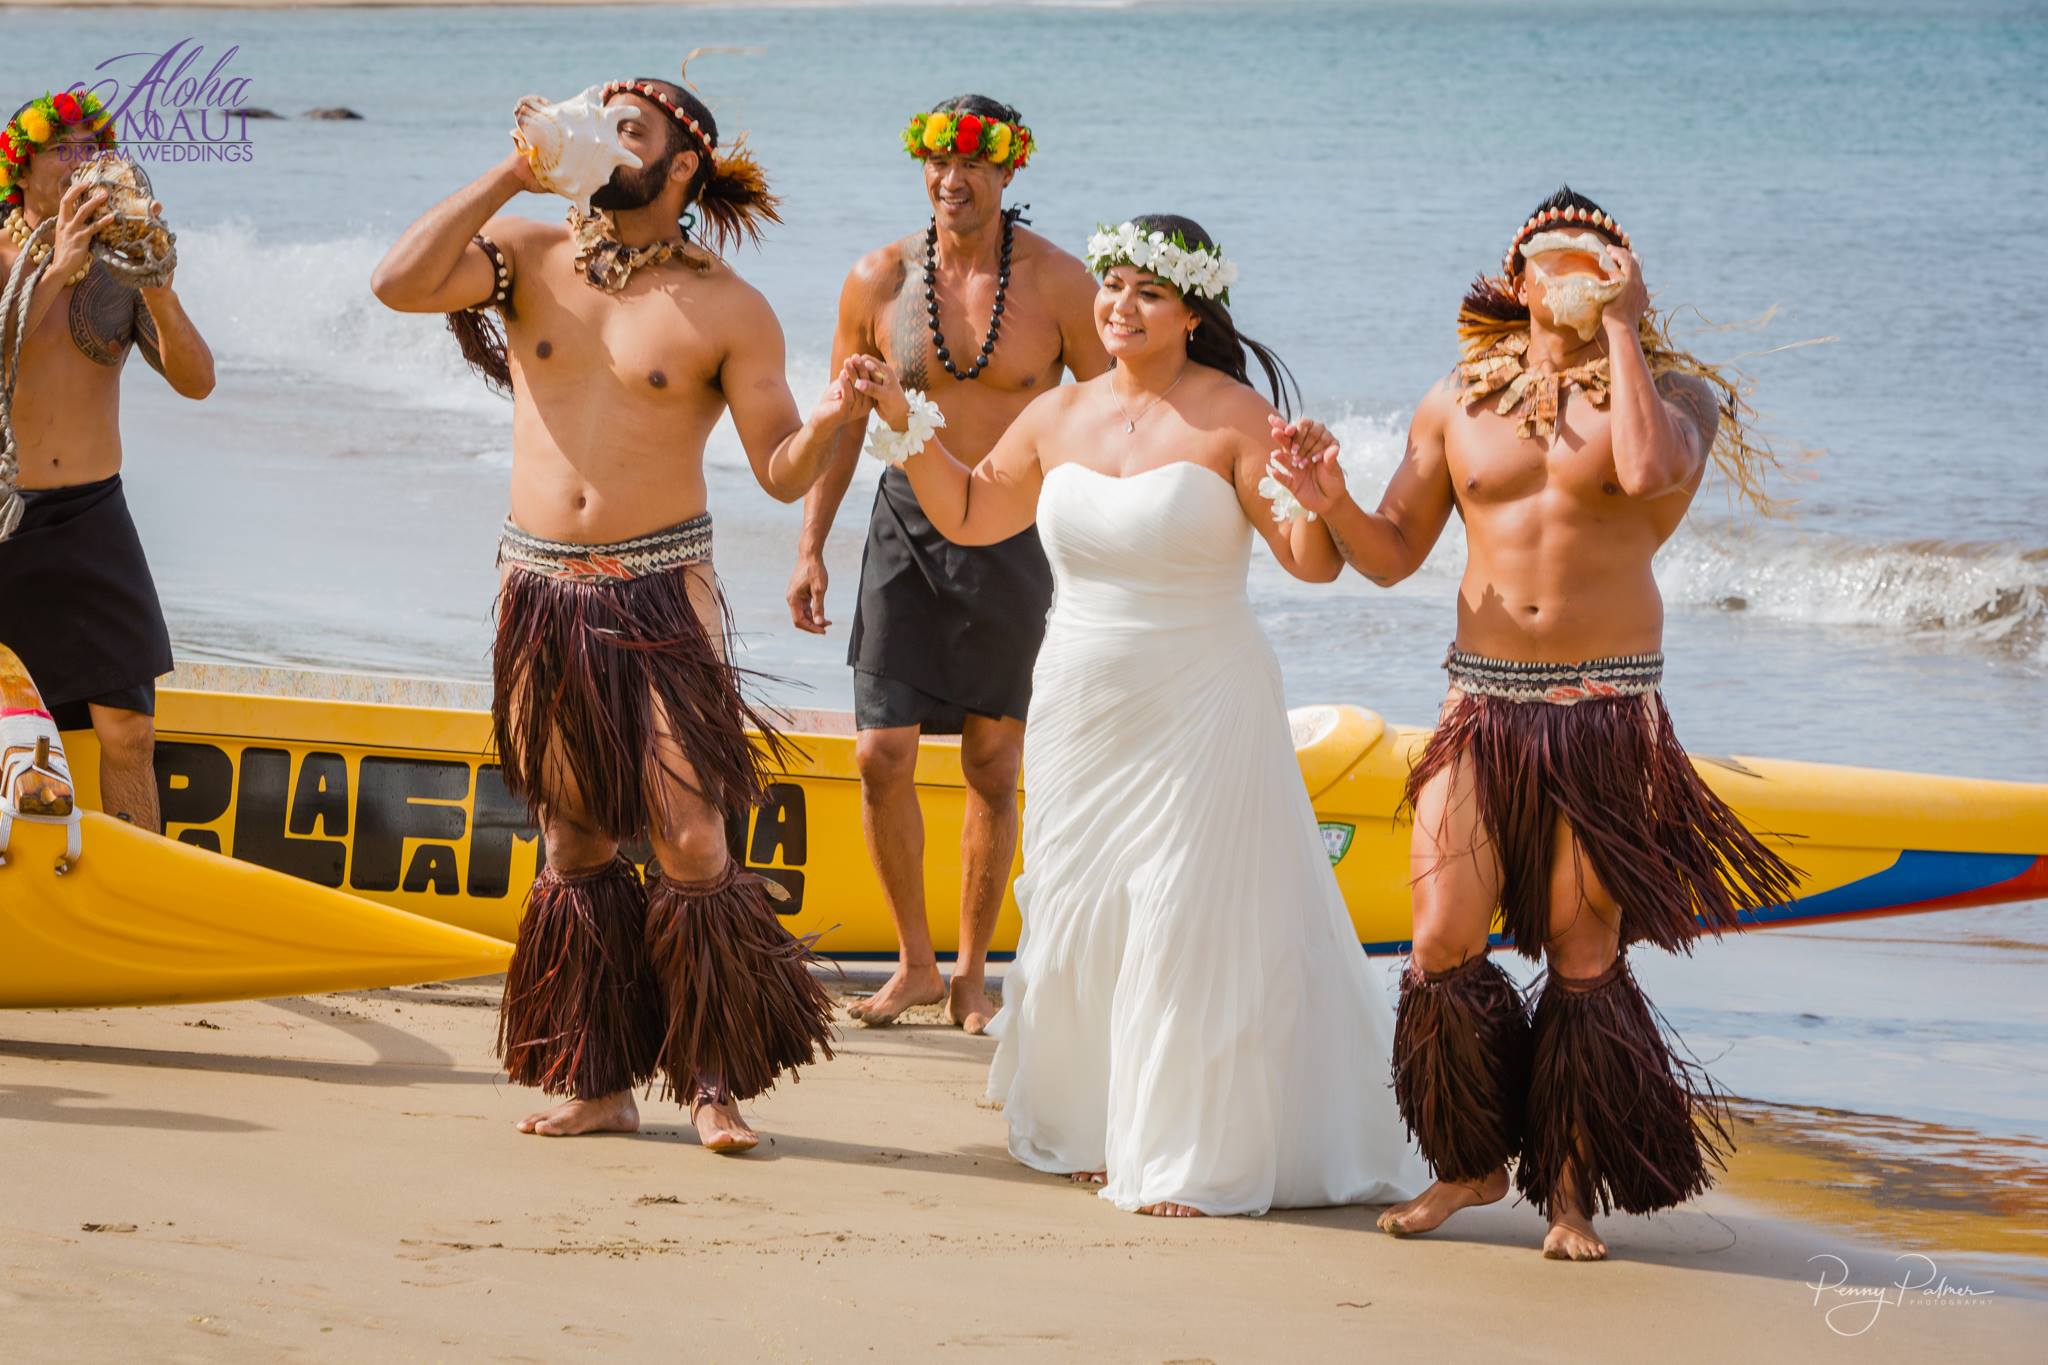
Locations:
(1189, 1009)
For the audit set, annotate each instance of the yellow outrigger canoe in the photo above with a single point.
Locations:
(384, 790)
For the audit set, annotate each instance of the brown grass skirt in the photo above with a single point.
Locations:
(1650, 1126)
(1461, 1067)
(582, 1012)
(583, 670)
(1669, 851)
(743, 1006)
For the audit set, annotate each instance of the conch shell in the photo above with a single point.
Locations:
(1574, 298)
(131, 240)
(573, 146)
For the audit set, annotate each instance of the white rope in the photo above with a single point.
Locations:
(14, 304)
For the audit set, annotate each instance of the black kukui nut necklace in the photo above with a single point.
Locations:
(931, 300)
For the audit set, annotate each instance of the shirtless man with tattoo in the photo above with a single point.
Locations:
(1571, 440)
(76, 599)
(984, 316)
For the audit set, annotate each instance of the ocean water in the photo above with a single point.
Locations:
(1873, 174)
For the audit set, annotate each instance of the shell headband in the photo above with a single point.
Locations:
(976, 135)
(1549, 219)
(1190, 269)
(37, 125)
(665, 100)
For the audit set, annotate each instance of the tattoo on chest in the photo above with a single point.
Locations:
(910, 336)
(103, 312)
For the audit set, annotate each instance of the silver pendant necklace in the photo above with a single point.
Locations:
(1130, 422)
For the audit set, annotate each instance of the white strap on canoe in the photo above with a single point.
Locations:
(21, 733)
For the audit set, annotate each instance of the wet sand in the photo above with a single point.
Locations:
(339, 1178)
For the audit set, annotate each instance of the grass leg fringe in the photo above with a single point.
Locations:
(742, 1004)
(581, 1014)
(1461, 1067)
(1641, 1128)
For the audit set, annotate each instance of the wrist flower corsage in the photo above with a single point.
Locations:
(891, 446)
(1286, 507)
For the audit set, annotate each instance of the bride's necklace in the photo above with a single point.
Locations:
(1130, 422)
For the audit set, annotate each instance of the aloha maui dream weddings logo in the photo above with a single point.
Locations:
(173, 106)
(1853, 1309)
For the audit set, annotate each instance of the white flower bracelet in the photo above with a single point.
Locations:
(893, 447)
(1286, 507)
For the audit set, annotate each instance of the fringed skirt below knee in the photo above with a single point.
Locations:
(582, 1014)
(1461, 1067)
(742, 1004)
(1640, 1128)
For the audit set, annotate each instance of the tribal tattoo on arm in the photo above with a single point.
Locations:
(910, 335)
(146, 337)
(1693, 399)
(104, 318)
(1351, 556)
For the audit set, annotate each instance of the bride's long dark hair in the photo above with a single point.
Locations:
(1216, 342)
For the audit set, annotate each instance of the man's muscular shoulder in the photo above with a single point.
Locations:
(1696, 403)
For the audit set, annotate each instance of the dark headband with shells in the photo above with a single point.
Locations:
(666, 101)
(1550, 218)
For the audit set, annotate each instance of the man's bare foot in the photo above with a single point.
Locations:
(1571, 1236)
(720, 1128)
(1171, 1210)
(968, 1006)
(613, 1113)
(1427, 1211)
(1089, 1177)
(909, 986)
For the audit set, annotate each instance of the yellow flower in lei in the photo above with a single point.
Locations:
(35, 124)
(935, 129)
(999, 143)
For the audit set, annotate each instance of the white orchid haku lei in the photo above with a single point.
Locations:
(1190, 269)
(893, 447)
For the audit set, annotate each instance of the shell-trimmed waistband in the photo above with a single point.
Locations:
(676, 547)
(1626, 675)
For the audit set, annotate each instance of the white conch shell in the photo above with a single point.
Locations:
(574, 146)
(1575, 299)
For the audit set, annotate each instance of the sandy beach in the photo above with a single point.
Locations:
(339, 1178)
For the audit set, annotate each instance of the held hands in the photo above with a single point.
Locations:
(842, 404)
(883, 391)
(1304, 468)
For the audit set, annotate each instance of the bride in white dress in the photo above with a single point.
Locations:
(1189, 1019)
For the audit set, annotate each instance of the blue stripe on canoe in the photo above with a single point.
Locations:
(1917, 875)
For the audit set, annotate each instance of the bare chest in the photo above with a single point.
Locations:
(91, 326)
(655, 338)
(1489, 464)
(1022, 353)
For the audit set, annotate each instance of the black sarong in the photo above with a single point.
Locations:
(960, 623)
(76, 599)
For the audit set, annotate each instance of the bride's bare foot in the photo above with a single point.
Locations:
(1427, 1211)
(613, 1113)
(719, 1125)
(1171, 1210)
(1571, 1236)
(909, 986)
(1089, 1177)
(968, 1006)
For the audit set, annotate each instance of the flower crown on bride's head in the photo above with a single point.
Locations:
(1190, 269)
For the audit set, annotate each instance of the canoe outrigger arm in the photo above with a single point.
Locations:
(35, 784)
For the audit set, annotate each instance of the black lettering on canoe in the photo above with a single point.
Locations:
(321, 794)
(194, 783)
(433, 869)
(391, 807)
(780, 827)
(260, 836)
(501, 820)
